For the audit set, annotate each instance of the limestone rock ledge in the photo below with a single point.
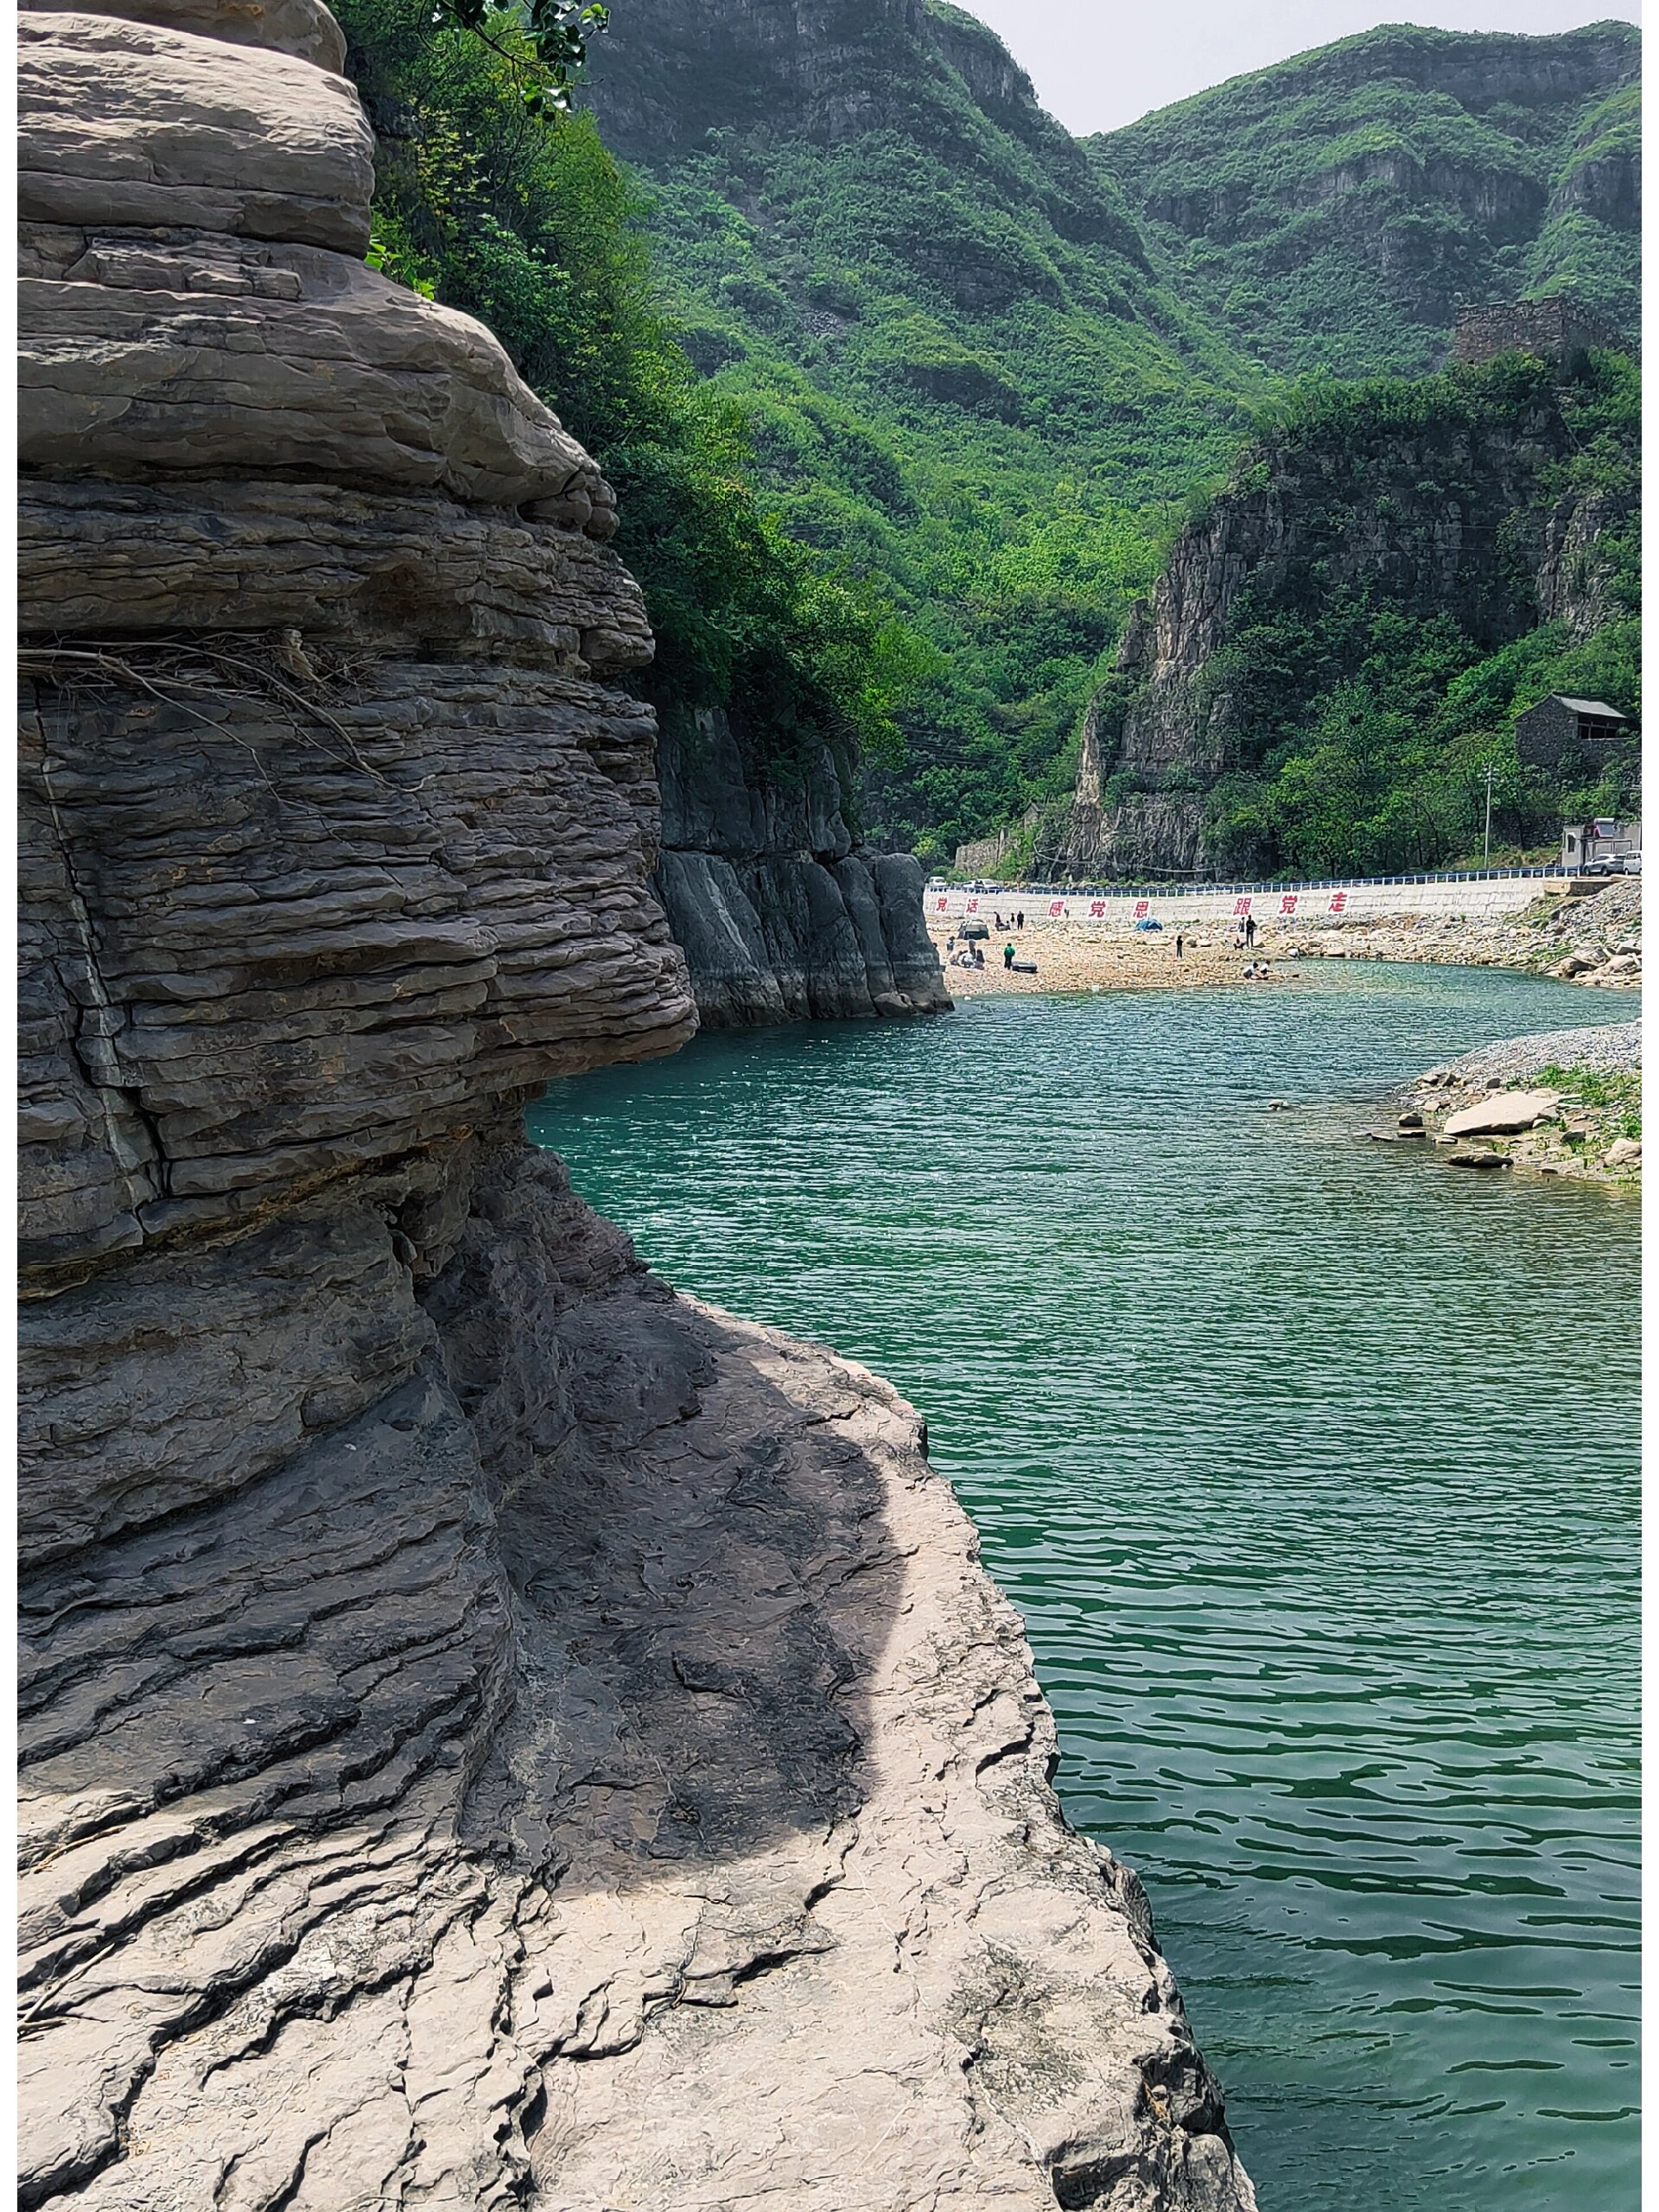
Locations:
(584, 1766)
(494, 1734)
(783, 915)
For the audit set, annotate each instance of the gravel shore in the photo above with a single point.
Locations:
(1584, 1124)
(1594, 940)
(1616, 1050)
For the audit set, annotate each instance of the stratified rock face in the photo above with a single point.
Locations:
(581, 1765)
(781, 913)
(494, 1733)
(334, 836)
(1450, 517)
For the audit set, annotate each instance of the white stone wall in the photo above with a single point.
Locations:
(1267, 903)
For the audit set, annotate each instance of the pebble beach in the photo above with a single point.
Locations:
(1593, 941)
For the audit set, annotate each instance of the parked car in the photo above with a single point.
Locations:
(1630, 864)
(970, 930)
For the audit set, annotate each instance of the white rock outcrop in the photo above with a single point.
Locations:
(1504, 1114)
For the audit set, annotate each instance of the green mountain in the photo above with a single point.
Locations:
(1334, 212)
(907, 394)
(960, 371)
(1340, 644)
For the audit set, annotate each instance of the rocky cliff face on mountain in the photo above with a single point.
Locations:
(938, 319)
(1461, 512)
(1335, 211)
(494, 1732)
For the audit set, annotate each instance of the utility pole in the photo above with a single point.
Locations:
(1486, 857)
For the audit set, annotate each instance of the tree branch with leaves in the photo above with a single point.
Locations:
(551, 51)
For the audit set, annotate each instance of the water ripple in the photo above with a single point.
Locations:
(1315, 1476)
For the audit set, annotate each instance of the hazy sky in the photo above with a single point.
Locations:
(1097, 63)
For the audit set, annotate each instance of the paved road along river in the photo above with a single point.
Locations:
(1313, 1466)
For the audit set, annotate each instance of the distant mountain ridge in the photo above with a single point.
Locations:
(991, 365)
(1332, 211)
(961, 371)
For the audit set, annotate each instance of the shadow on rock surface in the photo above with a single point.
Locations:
(672, 1584)
(619, 1685)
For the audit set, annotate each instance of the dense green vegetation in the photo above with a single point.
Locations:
(905, 396)
(1333, 212)
(959, 373)
(527, 222)
(1366, 699)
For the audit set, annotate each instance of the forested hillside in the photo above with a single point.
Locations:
(530, 223)
(1339, 644)
(907, 394)
(1334, 212)
(960, 374)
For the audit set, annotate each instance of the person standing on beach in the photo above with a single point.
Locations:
(1249, 930)
(1007, 956)
(1179, 945)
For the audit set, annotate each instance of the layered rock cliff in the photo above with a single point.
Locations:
(1467, 511)
(494, 1732)
(781, 913)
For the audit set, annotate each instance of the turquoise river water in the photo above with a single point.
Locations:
(1312, 1467)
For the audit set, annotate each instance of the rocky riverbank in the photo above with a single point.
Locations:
(494, 1733)
(1594, 940)
(1567, 1101)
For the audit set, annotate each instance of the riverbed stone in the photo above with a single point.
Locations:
(1503, 1114)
